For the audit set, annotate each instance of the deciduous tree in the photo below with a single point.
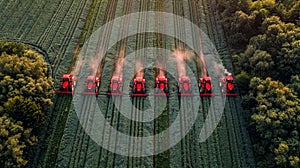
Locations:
(276, 118)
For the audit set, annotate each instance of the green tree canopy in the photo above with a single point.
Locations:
(275, 53)
(25, 88)
(295, 84)
(14, 138)
(25, 96)
(275, 121)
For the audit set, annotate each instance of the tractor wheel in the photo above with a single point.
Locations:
(134, 90)
(143, 90)
(211, 90)
(96, 93)
(166, 90)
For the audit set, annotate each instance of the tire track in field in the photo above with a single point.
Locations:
(55, 38)
(241, 137)
(138, 102)
(29, 20)
(83, 138)
(115, 103)
(56, 18)
(187, 153)
(83, 142)
(64, 122)
(56, 135)
(80, 143)
(8, 26)
(68, 36)
(144, 41)
(159, 123)
(176, 152)
(240, 134)
(3, 6)
(246, 143)
(212, 144)
(61, 105)
(203, 150)
(102, 154)
(200, 149)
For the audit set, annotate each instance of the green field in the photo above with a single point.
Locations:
(61, 27)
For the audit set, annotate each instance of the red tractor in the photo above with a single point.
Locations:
(185, 86)
(161, 86)
(139, 87)
(67, 84)
(227, 85)
(92, 86)
(115, 87)
(205, 86)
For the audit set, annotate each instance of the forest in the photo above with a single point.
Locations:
(264, 40)
(25, 97)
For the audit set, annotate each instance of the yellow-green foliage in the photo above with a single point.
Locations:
(276, 119)
(25, 96)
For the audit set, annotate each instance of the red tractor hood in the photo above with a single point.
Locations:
(208, 85)
(90, 85)
(65, 84)
(230, 85)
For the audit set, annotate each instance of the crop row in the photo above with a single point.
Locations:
(77, 149)
(55, 125)
(228, 146)
(232, 121)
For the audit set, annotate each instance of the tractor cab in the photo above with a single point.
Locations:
(205, 86)
(92, 86)
(115, 86)
(161, 86)
(185, 86)
(139, 87)
(227, 85)
(67, 84)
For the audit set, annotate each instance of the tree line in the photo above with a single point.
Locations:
(25, 97)
(264, 39)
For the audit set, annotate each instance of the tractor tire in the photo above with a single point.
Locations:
(143, 90)
(96, 93)
(166, 90)
(201, 90)
(134, 90)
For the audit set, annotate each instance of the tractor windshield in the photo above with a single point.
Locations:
(90, 84)
(162, 85)
(115, 85)
(186, 85)
(230, 85)
(65, 83)
(208, 85)
(139, 86)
